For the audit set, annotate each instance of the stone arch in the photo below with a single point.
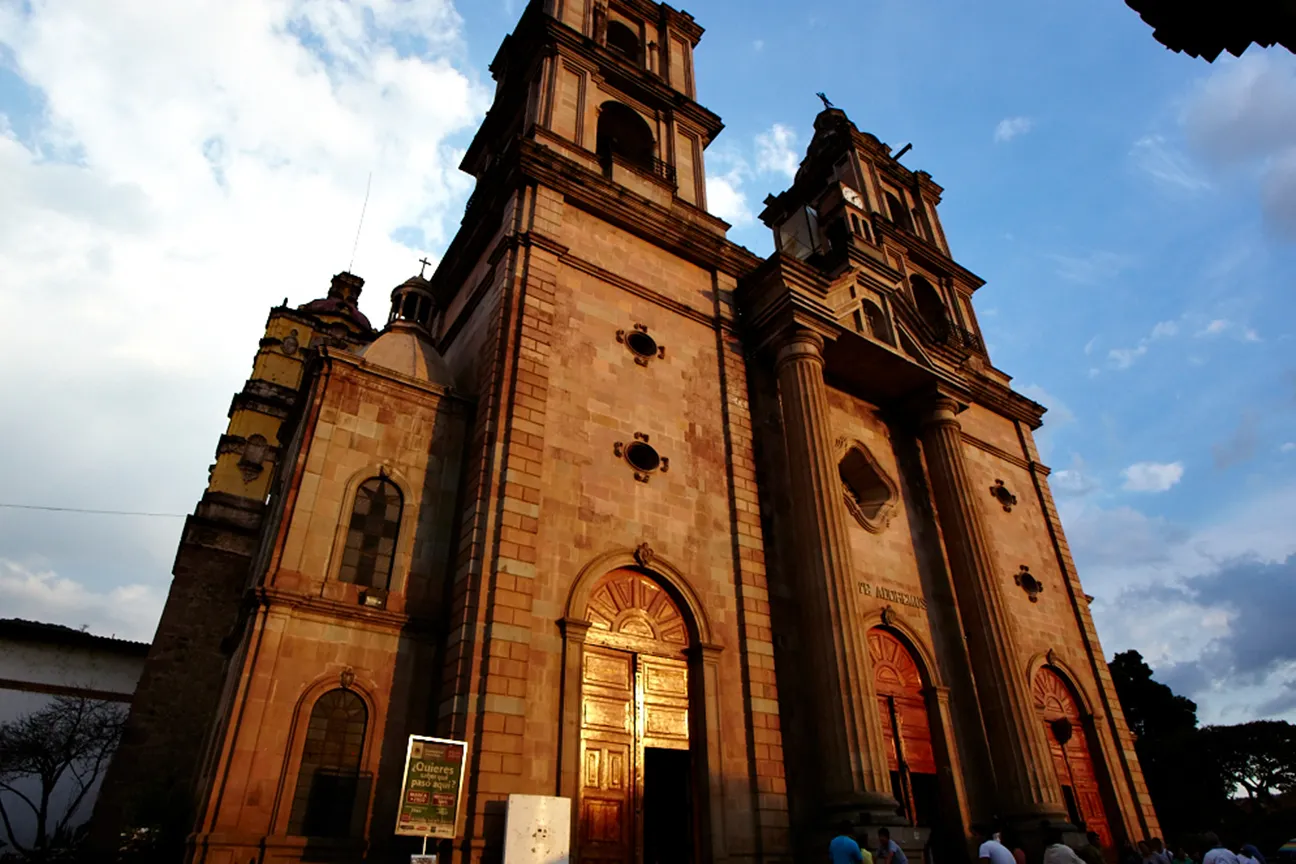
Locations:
(666, 605)
(1051, 660)
(622, 39)
(930, 305)
(347, 679)
(886, 619)
(666, 574)
(405, 536)
(1079, 763)
(876, 320)
(623, 133)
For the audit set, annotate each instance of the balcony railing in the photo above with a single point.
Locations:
(655, 168)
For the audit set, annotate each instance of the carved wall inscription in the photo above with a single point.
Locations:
(883, 593)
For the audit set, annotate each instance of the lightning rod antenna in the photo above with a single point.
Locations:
(363, 207)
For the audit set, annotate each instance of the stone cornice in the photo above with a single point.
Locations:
(324, 609)
(785, 293)
(394, 383)
(1006, 401)
(924, 253)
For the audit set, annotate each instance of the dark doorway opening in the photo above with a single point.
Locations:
(667, 807)
(1072, 806)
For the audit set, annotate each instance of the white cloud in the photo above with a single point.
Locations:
(1223, 326)
(1010, 127)
(38, 594)
(1164, 329)
(1154, 156)
(726, 199)
(1244, 114)
(1288, 447)
(758, 45)
(1141, 569)
(1074, 481)
(1152, 476)
(775, 153)
(1090, 269)
(192, 165)
(1123, 358)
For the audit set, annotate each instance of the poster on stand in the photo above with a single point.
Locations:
(432, 788)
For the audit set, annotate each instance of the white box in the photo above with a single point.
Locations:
(537, 830)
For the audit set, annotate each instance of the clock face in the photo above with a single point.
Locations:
(852, 197)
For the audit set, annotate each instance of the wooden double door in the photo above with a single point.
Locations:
(636, 794)
(1068, 741)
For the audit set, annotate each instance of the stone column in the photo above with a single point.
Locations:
(1023, 766)
(853, 771)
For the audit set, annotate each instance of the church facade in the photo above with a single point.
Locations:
(725, 550)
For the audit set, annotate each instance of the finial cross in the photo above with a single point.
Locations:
(425, 264)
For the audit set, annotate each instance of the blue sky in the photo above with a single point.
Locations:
(1132, 211)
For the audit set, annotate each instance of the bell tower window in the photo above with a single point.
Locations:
(371, 537)
(930, 306)
(624, 135)
(622, 40)
(899, 214)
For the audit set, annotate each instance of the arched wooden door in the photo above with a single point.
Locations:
(1069, 744)
(636, 791)
(905, 724)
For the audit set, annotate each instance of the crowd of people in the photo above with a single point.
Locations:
(852, 847)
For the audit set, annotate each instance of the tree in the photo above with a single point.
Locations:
(1152, 709)
(1189, 791)
(67, 742)
(1259, 756)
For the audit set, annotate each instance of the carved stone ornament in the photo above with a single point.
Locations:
(1051, 657)
(643, 554)
(869, 492)
(640, 344)
(255, 451)
(1028, 583)
(290, 344)
(641, 456)
(347, 678)
(1003, 496)
(888, 616)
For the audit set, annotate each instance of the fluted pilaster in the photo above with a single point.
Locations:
(1022, 764)
(853, 766)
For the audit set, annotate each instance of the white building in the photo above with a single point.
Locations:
(40, 662)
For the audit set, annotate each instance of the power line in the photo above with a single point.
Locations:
(98, 512)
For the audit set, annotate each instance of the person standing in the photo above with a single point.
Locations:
(990, 850)
(1251, 851)
(1058, 852)
(1246, 856)
(864, 848)
(1091, 852)
(1218, 854)
(1182, 857)
(888, 851)
(843, 849)
(1159, 850)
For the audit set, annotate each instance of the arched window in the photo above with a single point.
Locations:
(877, 323)
(623, 133)
(930, 306)
(623, 40)
(325, 802)
(899, 214)
(371, 536)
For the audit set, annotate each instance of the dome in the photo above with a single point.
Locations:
(341, 302)
(404, 349)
